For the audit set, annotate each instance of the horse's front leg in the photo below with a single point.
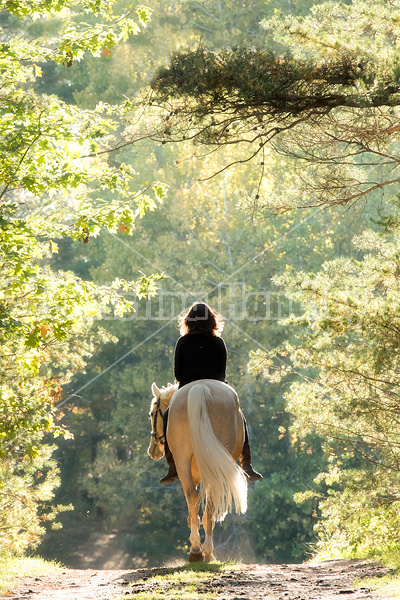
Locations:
(208, 524)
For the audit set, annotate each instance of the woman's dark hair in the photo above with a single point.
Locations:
(200, 318)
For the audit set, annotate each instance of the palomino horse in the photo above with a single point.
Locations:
(205, 434)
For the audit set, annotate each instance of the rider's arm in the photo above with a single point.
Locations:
(178, 360)
(223, 355)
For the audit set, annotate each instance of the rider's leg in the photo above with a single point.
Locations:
(245, 457)
(172, 474)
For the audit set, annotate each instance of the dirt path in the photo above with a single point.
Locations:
(329, 580)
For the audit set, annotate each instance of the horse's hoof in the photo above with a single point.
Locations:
(196, 556)
(209, 557)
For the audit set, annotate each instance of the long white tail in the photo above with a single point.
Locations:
(220, 475)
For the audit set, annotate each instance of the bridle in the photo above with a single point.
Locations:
(159, 438)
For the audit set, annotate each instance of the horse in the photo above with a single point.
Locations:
(205, 434)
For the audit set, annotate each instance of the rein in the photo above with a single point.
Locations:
(159, 438)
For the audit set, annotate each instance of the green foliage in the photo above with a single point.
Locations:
(83, 26)
(27, 481)
(346, 349)
(53, 186)
(361, 518)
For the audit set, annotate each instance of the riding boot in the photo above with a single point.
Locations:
(245, 463)
(172, 474)
(245, 458)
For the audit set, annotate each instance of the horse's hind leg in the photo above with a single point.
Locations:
(192, 498)
(208, 524)
(196, 552)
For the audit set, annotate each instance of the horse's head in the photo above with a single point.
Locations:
(159, 403)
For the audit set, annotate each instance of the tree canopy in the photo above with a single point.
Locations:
(328, 96)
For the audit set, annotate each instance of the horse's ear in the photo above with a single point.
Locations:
(155, 390)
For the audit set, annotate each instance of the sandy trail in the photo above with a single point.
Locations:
(329, 580)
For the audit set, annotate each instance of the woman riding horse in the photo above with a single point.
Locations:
(200, 353)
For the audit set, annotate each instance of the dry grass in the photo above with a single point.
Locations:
(13, 567)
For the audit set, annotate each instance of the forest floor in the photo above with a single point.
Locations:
(328, 580)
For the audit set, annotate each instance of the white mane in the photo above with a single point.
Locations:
(167, 392)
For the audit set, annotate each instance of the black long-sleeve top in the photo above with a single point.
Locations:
(199, 356)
